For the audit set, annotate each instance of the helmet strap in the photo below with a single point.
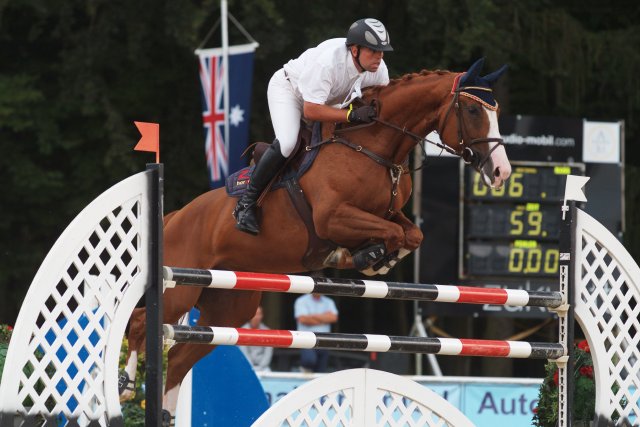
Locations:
(361, 68)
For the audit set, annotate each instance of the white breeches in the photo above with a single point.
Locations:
(285, 107)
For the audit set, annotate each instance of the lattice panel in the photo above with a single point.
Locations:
(608, 307)
(66, 342)
(362, 397)
(330, 410)
(394, 409)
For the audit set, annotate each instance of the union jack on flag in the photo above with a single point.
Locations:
(213, 116)
(224, 157)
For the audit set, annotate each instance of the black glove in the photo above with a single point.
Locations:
(364, 114)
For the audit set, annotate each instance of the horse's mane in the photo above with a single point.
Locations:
(374, 91)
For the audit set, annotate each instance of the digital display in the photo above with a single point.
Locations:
(514, 231)
(527, 183)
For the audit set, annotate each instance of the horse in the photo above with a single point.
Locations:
(356, 188)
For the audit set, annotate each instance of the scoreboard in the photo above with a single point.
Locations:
(508, 237)
(514, 230)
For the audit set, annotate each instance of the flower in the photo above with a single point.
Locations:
(584, 346)
(5, 333)
(546, 414)
(586, 371)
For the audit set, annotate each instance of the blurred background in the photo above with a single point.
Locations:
(74, 75)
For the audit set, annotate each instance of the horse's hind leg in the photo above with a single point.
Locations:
(230, 308)
(136, 343)
(177, 302)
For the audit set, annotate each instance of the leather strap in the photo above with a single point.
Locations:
(317, 249)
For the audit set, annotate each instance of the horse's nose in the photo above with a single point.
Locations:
(501, 174)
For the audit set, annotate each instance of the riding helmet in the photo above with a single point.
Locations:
(371, 33)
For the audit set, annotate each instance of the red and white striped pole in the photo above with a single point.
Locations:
(222, 279)
(361, 342)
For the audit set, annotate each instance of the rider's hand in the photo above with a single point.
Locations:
(364, 114)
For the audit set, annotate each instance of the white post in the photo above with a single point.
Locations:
(225, 70)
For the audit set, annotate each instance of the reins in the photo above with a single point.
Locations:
(396, 170)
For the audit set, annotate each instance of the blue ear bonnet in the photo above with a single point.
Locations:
(476, 83)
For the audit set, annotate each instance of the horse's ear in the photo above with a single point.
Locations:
(472, 74)
(493, 77)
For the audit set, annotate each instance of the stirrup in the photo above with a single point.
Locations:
(248, 225)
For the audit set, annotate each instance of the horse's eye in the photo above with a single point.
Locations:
(474, 110)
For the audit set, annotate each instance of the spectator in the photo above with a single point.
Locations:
(315, 313)
(258, 357)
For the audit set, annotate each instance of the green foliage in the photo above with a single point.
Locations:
(546, 414)
(76, 74)
(5, 337)
(133, 410)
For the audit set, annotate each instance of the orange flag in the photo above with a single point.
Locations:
(150, 140)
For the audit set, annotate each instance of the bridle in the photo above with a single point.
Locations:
(465, 150)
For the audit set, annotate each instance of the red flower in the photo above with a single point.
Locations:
(584, 346)
(9, 328)
(587, 371)
(555, 377)
(535, 410)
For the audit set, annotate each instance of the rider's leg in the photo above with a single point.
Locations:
(245, 212)
(285, 107)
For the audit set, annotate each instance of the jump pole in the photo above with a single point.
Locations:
(361, 342)
(221, 279)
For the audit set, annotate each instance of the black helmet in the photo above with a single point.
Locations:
(371, 33)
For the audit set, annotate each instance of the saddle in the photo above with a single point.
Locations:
(288, 177)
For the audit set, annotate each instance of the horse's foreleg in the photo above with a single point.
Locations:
(413, 239)
(350, 226)
(412, 234)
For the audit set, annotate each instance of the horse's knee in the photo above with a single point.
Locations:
(413, 238)
(394, 237)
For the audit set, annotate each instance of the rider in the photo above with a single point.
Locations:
(311, 86)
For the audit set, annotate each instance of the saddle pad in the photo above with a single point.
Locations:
(238, 181)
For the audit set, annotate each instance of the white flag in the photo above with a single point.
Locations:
(573, 188)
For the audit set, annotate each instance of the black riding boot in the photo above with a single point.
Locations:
(245, 211)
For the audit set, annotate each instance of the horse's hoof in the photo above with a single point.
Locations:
(369, 256)
(387, 263)
(168, 420)
(126, 387)
(339, 258)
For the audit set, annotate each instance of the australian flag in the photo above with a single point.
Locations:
(223, 156)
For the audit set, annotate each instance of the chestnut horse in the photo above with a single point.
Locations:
(356, 187)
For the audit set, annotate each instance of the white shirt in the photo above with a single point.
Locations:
(326, 74)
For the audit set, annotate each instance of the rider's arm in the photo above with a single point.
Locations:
(323, 113)
(318, 319)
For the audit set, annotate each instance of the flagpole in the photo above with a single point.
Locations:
(225, 74)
